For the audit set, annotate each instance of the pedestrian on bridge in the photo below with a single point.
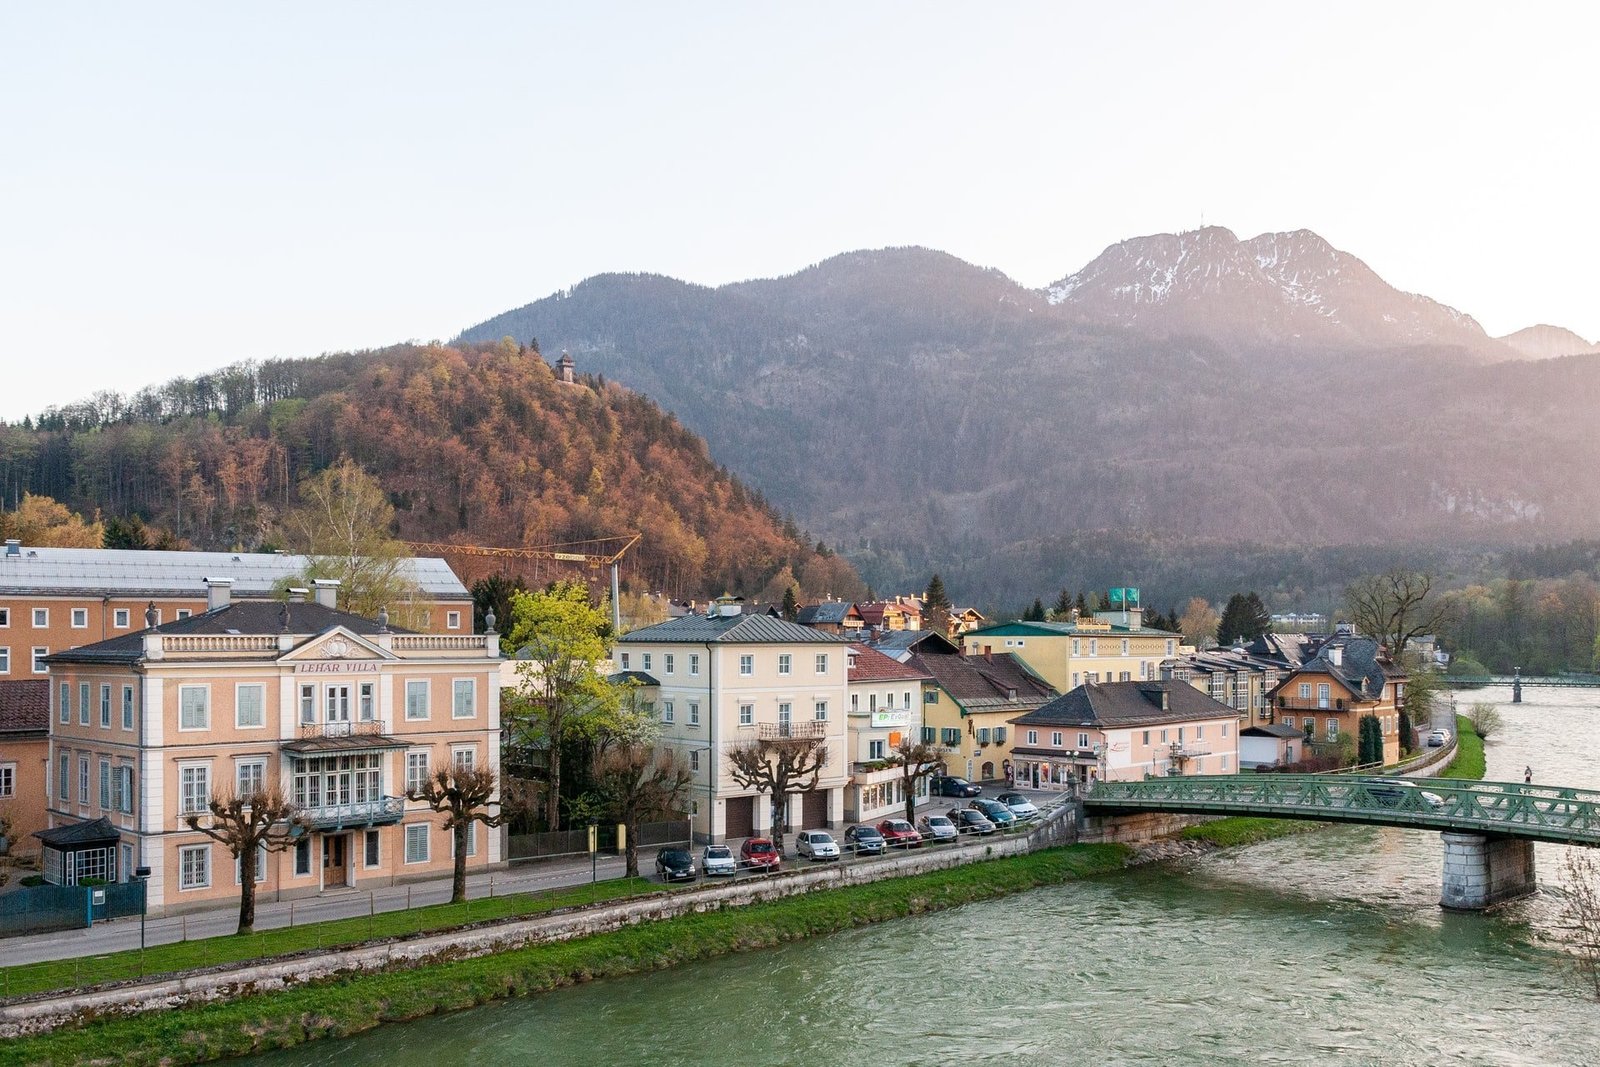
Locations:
(1527, 775)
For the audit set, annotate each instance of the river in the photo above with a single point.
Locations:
(1303, 950)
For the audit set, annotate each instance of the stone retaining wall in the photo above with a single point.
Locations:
(46, 1012)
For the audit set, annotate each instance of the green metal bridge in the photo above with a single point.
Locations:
(1496, 809)
(1562, 681)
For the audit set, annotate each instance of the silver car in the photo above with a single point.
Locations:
(1020, 806)
(937, 828)
(816, 845)
(718, 860)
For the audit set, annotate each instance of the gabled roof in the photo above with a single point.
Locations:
(123, 572)
(1276, 729)
(238, 617)
(738, 629)
(1065, 629)
(636, 677)
(1112, 705)
(25, 706)
(899, 644)
(1358, 669)
(867, 664)
(77, 834)
(827, 613)
(1000, 682)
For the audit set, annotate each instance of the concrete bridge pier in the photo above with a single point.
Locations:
(1480, 870)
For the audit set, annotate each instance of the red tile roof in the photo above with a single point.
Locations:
(869, 665)
(25, 707)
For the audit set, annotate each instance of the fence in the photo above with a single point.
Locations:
(576, 842)
(40, 909)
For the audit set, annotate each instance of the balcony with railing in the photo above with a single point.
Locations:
(1312, 704)
(356, 815)
(804, 730)
(344, 728)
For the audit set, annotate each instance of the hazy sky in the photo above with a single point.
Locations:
(186, 185)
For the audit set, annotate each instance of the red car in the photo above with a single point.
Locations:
(759, 853)
(899, 833)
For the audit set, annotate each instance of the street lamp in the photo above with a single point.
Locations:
(142, 876)
(594, 856)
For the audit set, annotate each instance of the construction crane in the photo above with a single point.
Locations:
(557, 553)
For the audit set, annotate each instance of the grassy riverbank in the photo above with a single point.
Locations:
(1237, 830)
(346, 1006)
(1468, 762)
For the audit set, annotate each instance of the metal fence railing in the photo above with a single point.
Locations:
(575, 842)
(44, 908)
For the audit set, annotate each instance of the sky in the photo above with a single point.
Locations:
(183, 186)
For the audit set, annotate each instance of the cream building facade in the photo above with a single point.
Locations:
(724, 678)
(1114, 646)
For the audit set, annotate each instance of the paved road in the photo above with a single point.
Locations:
(118, 934)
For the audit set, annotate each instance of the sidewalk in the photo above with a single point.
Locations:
(118, 934)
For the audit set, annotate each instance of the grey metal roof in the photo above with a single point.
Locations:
(1115, 704)
(80, 834)
(100, 571)
(731, 629)
(1276, 729)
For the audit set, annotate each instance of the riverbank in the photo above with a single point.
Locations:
(1469, 762)
(352, 1004)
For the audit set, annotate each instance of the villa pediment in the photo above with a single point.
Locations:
(337, 651)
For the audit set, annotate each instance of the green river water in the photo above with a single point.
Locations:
(1322, 948)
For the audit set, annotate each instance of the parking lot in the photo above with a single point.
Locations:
(790, 860)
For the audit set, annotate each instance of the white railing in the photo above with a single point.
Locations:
(219, 643)
(359, 813)
(441, 642)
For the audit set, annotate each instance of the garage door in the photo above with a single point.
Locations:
(814, 809)
(741, 817)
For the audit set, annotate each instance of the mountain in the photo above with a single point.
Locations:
(1548, 342)
(475, 444)
(1277, 288)
(922, 412)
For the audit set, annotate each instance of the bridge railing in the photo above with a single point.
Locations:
(1512, 808)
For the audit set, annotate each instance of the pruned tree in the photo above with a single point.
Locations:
(778, 766)
(463, 795)
(1393, 607)
(557, 636)
(246, 825)
(639, 783)
(916, 760)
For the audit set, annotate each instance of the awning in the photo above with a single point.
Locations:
(78, 836)
(342, 745)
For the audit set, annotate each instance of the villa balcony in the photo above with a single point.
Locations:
(346, 728)
(804, 730)
(360, 815)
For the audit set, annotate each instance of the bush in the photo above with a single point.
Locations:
(1485, 718)
(31, 880)
(1464, 665)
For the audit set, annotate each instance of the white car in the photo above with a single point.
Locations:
(816, 845)
(1020, 806)
(718, 860)
(937, 828)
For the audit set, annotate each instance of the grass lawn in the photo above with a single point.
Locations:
(233, 948)
(349, 1005)
(1239, 830)
(1468, 762)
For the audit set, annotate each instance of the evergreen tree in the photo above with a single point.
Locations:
(1035, 613)
(791, 604)
(935, 600)
(126, 533)
(1244, 618)
(1063, 604)
(1369, 744)
(1081, 604)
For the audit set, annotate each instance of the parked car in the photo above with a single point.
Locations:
(1385, 792)
(675, 865)
(937, 828)
(996, 812)
(718, 860)
(1438, 739)
(1020, 806)
(900, 833)
(864, 840)
(944, 785)
(971, 821)
(816, 845)
(759, 853)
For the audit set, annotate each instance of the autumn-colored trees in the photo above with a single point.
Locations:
(476, 443)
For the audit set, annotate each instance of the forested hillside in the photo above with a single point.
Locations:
(478, 444)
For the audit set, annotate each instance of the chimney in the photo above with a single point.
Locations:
(1336, 655)
(13, 547)
(1166, 699)
(297, 594)
(219, 593)
(327, 592)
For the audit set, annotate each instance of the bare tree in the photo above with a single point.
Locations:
(464, 795)
(1199, 622)
(639, 783)
(1485, 719)
(261, 821)
(916, 760)
(1582, 909)
(778, 766)
(1393, 607)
